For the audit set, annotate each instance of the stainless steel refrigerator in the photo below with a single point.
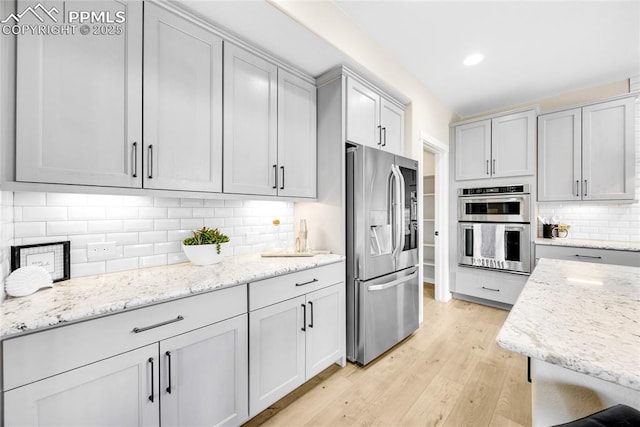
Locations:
(382, 251)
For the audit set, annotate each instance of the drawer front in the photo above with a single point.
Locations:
(490, 287)
(603, 256)
(39, 355)
(271, 291)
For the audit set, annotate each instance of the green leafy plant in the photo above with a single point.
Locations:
(207, 236)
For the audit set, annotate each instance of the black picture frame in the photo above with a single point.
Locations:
(54, 257)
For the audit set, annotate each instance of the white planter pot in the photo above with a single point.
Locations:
(202, 254)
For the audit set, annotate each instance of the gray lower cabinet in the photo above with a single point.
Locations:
(186, 365)
(588, 153)
(601, 256)
(296, 330)
(489, 285)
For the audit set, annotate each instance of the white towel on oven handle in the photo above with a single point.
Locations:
(488, 245)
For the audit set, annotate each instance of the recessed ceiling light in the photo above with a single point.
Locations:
(474, 59)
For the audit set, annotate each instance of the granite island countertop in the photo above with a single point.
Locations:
(593, 244)
(86, 297)
(581, 316)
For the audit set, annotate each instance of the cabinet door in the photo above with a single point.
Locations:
(250, 123)
(118, 391)
(363, 114)
(560, 155)
(473, 150)
(276, 359)
(79, 106)
(513, 145)
(608, 150)
(182, 104)
(325, 340)
(203, 379)
(392, 121)
(297, 162)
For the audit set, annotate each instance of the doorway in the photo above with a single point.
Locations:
(435, 216)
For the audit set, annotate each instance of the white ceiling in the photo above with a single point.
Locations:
(533, 49)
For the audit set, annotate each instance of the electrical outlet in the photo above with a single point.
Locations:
(101, 251)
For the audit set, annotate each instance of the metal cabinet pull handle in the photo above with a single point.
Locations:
(282, 183)
(275, 176)
(150, 161)
(304, 317)
(152, 386)
(168, 354)
(487, 168)
(307, 283)
(135, 159)
(493, 170)
(379, 135)
(585, 187)
(384, 131)
(157, 325)
(577, 188)
(311, 314)
(588, 256)
(491, 289)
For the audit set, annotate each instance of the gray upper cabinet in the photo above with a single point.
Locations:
(269, 128)
(498, 147)
(608, 150)
(587, 153)
(296, 136)
(182, 104)
(559, 155)
(250, 123)
(79, 102)
(473, 150)
(372, 119)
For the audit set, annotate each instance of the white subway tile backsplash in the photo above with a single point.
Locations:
(152, 212)
(114, 265)
(122, 238)
(191, 203)
(63, 199)
(59, 228)
(152, 261)
(152, 237)
(138, 250)
(166, 224)
(166, 247)
(108, 226)
(138, 225)
(24, 198)
(88, 269)
(147, 230)
(30, 229)
(44, 213)
(192, 223)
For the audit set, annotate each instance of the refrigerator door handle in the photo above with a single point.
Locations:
(397, 219)
(401, 208)
(373, 288)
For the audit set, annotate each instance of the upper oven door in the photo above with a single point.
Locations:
(494, 208)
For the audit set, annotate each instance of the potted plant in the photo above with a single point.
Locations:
(204, 247)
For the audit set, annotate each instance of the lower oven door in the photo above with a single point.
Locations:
(517, 246)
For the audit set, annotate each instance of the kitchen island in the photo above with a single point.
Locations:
(580, 325)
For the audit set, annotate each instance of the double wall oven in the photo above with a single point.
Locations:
(494, 228)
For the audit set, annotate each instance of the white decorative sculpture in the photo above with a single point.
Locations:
(26, 280)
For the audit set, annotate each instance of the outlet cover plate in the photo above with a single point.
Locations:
(101, 251)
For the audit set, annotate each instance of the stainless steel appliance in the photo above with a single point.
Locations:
(382, 251)
(507, 210)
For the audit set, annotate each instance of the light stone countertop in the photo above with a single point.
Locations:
(85, 297)
(581, 316)
(586, 243)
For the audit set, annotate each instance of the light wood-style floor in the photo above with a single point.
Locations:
(450, 372)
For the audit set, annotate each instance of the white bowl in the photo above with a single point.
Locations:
(202, 254)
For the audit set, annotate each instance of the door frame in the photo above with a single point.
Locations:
(441, 152)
